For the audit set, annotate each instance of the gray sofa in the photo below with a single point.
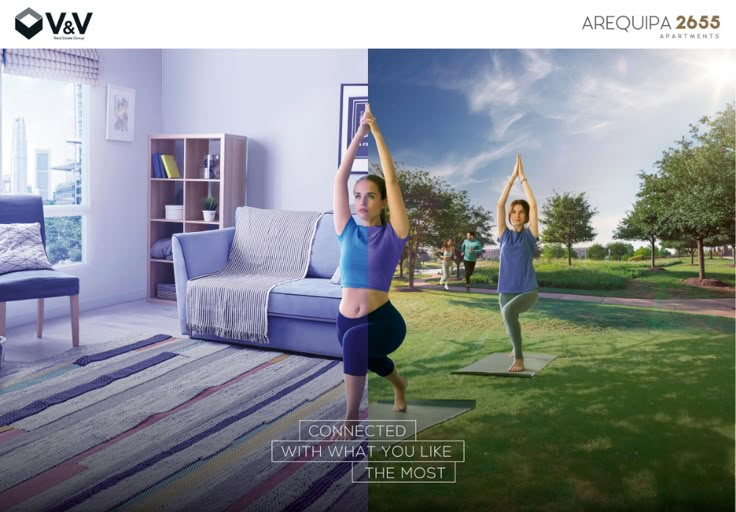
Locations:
(301, 314)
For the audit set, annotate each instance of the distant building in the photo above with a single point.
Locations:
(491, 252)
(42, 173)
(19, 157)
(68, 193)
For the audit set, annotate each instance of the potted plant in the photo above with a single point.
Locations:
(209, 208)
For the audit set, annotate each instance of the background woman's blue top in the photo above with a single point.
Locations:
(516, 274)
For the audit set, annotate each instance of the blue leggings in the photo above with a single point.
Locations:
(367, 341)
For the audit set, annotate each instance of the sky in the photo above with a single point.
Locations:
(583, 120)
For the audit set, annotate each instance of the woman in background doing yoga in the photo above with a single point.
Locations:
(368, 326)
(517, 281)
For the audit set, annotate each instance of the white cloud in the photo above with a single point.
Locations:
(460, 171)
(537, 66)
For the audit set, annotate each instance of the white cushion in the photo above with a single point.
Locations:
(21, 248)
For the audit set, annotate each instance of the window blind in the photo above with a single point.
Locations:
(70, 65)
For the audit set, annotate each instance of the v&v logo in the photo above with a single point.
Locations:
(29, 23)
(68, 29)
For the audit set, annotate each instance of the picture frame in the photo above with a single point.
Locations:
(120, 123)
(353, 101)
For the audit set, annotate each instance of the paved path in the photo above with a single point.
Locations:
(717, 307)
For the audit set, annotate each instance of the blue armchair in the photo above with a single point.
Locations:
(34, 284)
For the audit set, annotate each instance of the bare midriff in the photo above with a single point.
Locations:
(358, 302)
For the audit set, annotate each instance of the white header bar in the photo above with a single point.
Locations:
(376, 24)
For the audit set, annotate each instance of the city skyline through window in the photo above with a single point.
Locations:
(44, 139)
(44, 131)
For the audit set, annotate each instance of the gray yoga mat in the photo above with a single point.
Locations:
(498, 364)
(427, 413)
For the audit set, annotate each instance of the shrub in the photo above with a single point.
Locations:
(597, 252)
(620, 251)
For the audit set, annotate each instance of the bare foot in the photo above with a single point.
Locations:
(346, 431)
(511, 354)
(399, 395)
(517, 366)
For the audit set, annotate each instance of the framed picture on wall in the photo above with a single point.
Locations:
(120, 113)
(353, 100)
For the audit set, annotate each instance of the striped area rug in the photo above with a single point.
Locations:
(170, 424)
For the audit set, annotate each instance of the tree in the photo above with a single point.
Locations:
(566, 218)
(647, 221)
(436, 213)
(461, 217)
(554, 251)
(620, 251)
(597, 252)
(644, 252)
(423, 201)
(63, 239)
(698, 181)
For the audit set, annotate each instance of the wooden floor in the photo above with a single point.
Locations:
(139, 318)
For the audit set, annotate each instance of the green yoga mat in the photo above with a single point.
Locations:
(498, 364)
(427, 413)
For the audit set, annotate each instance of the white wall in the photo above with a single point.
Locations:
(287, 102)
(116, 229)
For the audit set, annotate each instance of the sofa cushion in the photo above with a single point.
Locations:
(325, 255)
(21, 248)
(31, 284)
(306, 298)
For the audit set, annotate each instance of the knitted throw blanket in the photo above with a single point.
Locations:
(270, 247)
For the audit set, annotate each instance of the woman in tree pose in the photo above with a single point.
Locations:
(517, 281)
(368, 326)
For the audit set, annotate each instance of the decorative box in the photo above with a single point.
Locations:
(174, 211)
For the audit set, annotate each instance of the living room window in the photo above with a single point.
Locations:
(45, 141)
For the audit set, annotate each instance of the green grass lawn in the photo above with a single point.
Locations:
(637, 412)
(620, 279)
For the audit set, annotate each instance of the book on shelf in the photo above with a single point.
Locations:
(172, 170)
(160, 166)
(157, 168)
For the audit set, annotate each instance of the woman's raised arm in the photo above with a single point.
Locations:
(399, 215)
(501, 205)
(340, 195)
(533, 212)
